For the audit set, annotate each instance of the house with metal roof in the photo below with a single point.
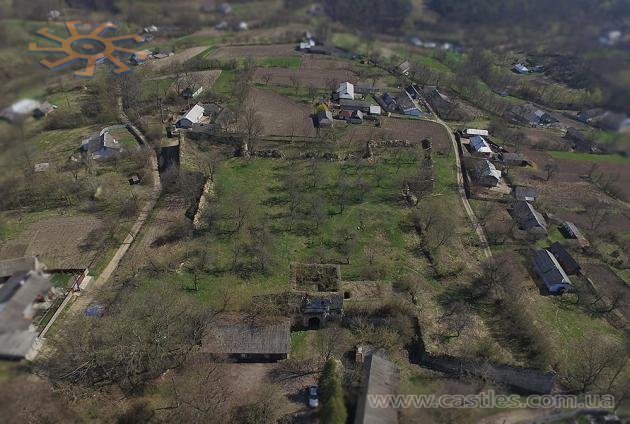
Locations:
(406, 105)
(550, 272)
(479, 145)
(380, 378)
(528, 218)
(519, 68)
(469, 132)
(324, 118)
(345, 91)
(486, 173)
(19, 297)
(571, 231)
(193, 116)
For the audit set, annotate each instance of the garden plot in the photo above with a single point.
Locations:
(62, 243)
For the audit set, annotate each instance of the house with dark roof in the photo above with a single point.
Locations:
(101, 146)
(387, 102)
(436, 99)
(406, 105)
(579, 142)
(362, 105)
(20, 297)
(587, 116)
(380, 378)
(613, 121)
(9, 267)
(528, 194)
(513, 159)
(531, 115)
(550, 273)
(247, 339)
(404, 68)
(528, 218)
(324, 118)
(479, 146)
(568, 263)
(571, 231)
(486, 174)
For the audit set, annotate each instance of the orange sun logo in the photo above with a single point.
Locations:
(93, 48)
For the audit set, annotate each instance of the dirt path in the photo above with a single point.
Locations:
(462, 192)
(86, 296)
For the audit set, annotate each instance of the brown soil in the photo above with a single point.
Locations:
(282, 116)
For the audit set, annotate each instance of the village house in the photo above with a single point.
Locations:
(345, 91)
(362, 105)
(564, 258)
(351, 116)
(404, 68)
(528, 218)
(486, 174)
(571, 231)
(528, 194)
(246, 339)
(588, 116)
(193, 116)
(612, 121)
(364, 89)
(324, 118)
(519, 68)
(513, 159)
(531, 115)
(24, 108)
(380, 378)
(406, 105)
(579, 142)
(550, 273)
(479, 146)
(387, 102)
(21, 296)
(101, 146)
(437, 99)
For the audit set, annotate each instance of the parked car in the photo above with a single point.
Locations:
(313, 402)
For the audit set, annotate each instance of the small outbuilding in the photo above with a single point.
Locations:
(324, 118)
(571, 231)
(513, 159)
(528, 194)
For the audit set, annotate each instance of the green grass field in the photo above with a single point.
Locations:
(589, 157)
(292, 62)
